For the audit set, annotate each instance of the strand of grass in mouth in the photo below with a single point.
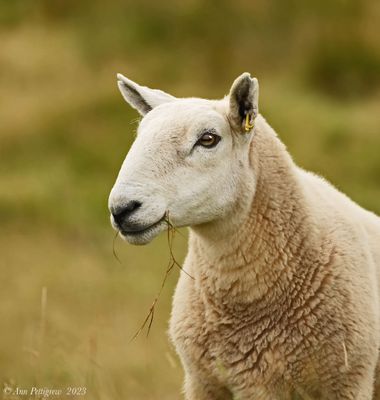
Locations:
(114, 249)
(172, 262)
(170, 244)
(171, 230)
(150, 317)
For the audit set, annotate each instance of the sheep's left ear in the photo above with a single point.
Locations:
(244, 103)
(142, 98)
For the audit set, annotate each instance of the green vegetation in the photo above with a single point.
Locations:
(65, 131)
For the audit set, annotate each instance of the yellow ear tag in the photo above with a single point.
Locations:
(249, 125)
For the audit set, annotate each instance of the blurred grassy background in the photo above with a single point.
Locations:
(64, 131)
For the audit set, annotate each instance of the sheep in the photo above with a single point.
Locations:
(286, 291)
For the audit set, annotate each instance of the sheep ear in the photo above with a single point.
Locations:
(142, 98)
(244, 101)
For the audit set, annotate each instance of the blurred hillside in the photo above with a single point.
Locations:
(64, 131)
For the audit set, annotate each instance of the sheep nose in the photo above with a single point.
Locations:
(122, 213)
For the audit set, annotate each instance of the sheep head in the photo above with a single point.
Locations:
(189, 161)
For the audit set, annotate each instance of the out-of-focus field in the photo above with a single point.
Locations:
(64, 131)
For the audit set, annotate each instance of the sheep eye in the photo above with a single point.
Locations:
(208, 140)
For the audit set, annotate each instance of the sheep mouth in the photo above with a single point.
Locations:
(143, 235)
(139, 230)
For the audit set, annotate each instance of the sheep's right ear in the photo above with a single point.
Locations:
(142, 98)
(244, 102)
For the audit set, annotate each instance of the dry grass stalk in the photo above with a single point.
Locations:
(43, 317)
(114, 249)
(345, 355)
(172, 262)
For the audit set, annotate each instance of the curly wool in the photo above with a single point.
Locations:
(286, 301)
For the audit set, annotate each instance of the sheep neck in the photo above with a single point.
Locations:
(257, 257)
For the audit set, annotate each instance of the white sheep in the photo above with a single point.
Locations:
(286, 291)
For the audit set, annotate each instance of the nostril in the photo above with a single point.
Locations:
(121, 213)
(132, 206)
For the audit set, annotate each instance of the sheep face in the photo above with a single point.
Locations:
(188, 163)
